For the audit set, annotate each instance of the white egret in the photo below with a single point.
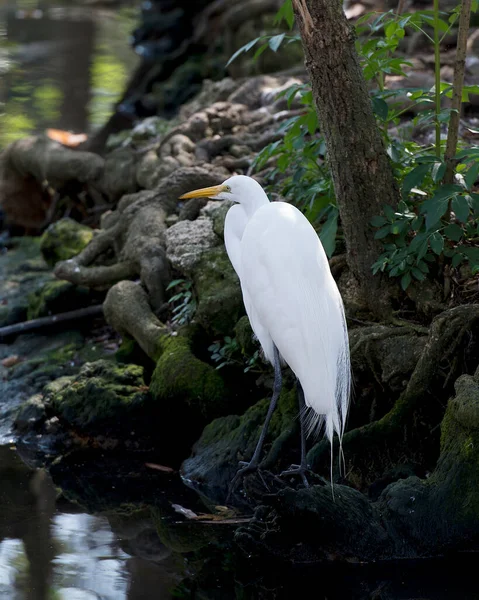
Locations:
(293, 304)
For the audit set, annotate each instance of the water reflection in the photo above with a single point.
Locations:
(61, 67)
(58, 552)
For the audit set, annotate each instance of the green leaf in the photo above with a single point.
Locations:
(380, 108)
(312, 122)
(175, 282)
(415, 177)
(436, 241)
(438, 171)
(417, 241)
(244, 48)
(259, 51)
(472, 254)
(453, 232)
(475, 204)
(434, 208)
(328, 233)
(285, 12)
(457, 260)
(418, 274)
(378, 221)
(276, 41)
(383, 232)
(461, 208)
(471, 175)
(405, 280)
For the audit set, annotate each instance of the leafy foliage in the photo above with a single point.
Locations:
(183, 302)
(433, 219)
(229, 353)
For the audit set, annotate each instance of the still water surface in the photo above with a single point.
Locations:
(61, 66)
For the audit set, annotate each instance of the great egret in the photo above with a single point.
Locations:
(293, 304)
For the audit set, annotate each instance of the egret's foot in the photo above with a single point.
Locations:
(245, 469)
(300, 470)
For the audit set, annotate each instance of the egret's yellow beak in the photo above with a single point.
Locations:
(207, 192)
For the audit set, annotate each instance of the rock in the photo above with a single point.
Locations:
(64, 239)
(187, 241)
(103, 397)
(44, 359)
(245, 336)
(149, 128)
(31, 415)
(220, 303)
(119, 177)
(441, 513)
(227, 440)
(22, 272)
(194, 250)
(59, 296)
(309, 525)
(184, 385)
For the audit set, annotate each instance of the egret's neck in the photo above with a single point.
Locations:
(251, 204)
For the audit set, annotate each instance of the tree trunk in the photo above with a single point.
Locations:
(360, 168)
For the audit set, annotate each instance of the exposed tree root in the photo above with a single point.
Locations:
(373, 447)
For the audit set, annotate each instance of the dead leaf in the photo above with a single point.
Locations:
(161, 468)
(66, 138)
(11, 361)
(186, 512)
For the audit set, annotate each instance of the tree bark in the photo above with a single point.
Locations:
(360, 168)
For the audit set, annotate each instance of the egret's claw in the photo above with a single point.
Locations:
(300, 470)
(245, 468)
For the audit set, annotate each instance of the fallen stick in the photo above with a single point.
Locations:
(52, 320)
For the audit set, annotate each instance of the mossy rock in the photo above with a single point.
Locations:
(220, 303)
(442, 512)
(130, 352)
(103, 397)
(22, 272)
(59, 296)
(227, 440)
(185, 383)
(245, 336)
(63, 240)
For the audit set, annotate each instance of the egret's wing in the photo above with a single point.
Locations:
(286, 275)
(235, 224)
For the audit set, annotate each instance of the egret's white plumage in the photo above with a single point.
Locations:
(290, 296)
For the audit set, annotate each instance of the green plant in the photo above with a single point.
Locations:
(183, 302)
(229, 353)
(435, 219)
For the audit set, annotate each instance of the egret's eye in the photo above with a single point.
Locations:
(227, 189)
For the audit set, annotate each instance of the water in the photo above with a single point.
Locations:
(61, 67)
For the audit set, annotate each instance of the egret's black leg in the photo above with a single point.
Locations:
(302, 468)
(254, 462)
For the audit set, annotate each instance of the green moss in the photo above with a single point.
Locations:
(179, 375)
(220, 303)
(245, 336)
(55, 297)
(130, 352)
(22, 272)
(227, 440)
(101, 394)
(63, 240)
